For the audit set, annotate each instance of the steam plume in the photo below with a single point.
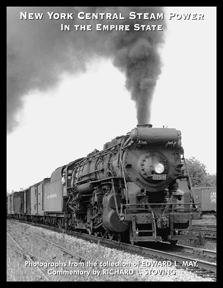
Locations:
(38, 52)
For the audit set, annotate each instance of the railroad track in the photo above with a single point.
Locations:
(75, 255)
(203, 226)
(179, 259)
(198, 266)
(199, 251)
(207, 232)
(39, 263)
(182, 249)
(27, 256)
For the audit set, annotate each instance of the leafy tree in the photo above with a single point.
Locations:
(211, 180)
(197, 172)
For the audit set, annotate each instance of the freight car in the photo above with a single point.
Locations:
(33, 198)
(206, 197)
(135, 189)
(10, 210)
(18, 203)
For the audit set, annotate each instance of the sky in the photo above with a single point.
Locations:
(84, 110)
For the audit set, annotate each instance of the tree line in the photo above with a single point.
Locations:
(199, 176)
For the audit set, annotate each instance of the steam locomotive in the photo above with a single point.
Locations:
(135, 189)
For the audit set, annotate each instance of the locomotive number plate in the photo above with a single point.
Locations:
(159, 177)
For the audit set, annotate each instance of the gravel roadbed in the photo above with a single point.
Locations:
(103, 263)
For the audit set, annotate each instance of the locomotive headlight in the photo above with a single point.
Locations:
(159, 168)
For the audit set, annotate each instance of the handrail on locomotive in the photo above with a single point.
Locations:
(135, 187)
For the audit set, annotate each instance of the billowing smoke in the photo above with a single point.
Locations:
(39, 52)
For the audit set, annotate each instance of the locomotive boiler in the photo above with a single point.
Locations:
(135, 188)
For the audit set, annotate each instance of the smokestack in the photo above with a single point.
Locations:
(38, 52)
(145, 125)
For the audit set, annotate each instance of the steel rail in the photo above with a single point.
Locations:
(200, 251)
(205, 226)
(178, 258)
(209, 266)
(192, 250)
(30, 259)
(77, 256)
(205, 232)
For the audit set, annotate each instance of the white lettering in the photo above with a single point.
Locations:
(52, 196)
(31, 16)
(146, 16)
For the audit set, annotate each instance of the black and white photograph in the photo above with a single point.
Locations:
(111, 144)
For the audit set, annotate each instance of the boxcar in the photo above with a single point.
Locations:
(34, 199)
(206, 197)
(40, 195)
(27, 201)
(53, 193)
(18, 202)
(10, 204)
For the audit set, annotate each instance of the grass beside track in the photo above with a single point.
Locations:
(39, 250)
